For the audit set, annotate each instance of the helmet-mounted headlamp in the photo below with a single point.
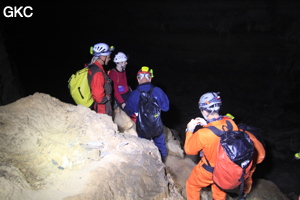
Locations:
(144, 71)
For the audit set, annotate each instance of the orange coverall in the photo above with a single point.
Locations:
(205, 140)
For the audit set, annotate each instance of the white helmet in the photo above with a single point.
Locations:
(101, 49)
(210, 101)
(120, 57)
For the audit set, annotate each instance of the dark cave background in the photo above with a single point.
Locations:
(246, 50)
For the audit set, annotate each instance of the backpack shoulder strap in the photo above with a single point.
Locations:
(93, 68)
(215, 130)
(151, 89)
(219, 132)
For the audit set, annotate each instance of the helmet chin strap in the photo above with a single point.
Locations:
(103, 60)
(205, 116)
(122, 66)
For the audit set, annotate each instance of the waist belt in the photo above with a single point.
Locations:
(208, 168)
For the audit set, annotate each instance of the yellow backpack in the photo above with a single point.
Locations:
(80, 89)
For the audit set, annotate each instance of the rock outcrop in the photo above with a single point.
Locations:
(52, 150)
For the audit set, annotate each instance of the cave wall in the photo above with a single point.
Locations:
(10, 87)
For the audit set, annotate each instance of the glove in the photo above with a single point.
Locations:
(194, 122)
(201, 121)
(191, 125)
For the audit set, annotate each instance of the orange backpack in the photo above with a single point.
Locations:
(234, 158)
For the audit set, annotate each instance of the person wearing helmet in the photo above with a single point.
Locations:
(206, 141)
(100, 83)
(144, 78)
(119, 78)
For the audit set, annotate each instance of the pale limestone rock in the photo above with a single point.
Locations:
(53, 150)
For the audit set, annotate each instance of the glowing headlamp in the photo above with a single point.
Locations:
(111, 48)
(146, 69)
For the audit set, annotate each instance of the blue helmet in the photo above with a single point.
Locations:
(210, 101)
